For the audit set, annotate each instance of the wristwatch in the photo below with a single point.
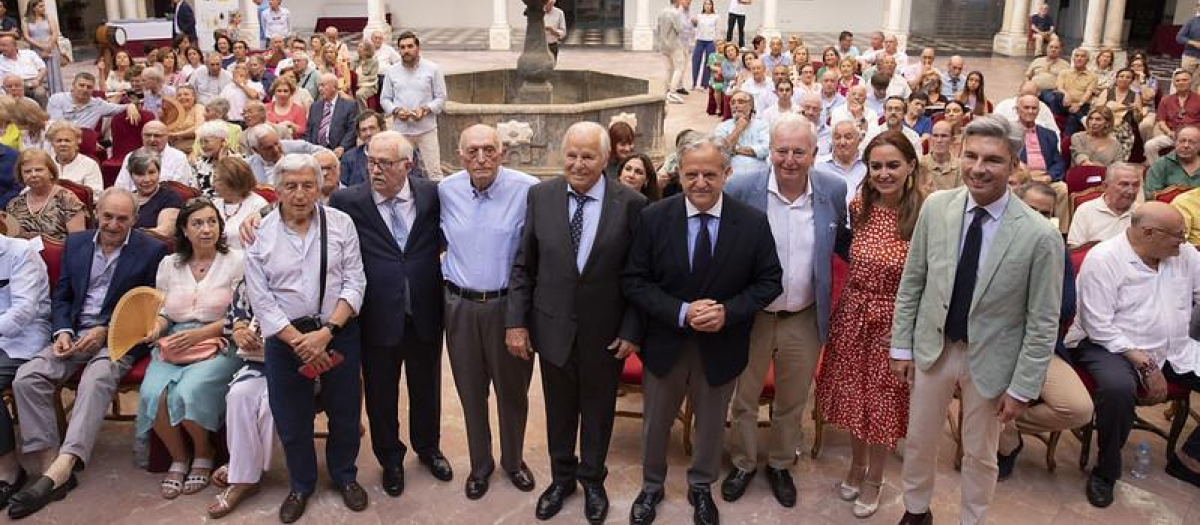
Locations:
(333, 328)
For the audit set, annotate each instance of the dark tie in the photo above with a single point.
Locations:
(964, 279)
(577, 220)
(326, 120)
(702, 251)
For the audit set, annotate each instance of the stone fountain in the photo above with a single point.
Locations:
(533, 105)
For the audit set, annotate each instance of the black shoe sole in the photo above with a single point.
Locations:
(57, 494)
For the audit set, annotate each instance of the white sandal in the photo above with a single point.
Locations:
(172, 488)
(198, 482)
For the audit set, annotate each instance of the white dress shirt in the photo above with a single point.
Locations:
(24, 299)
(1124, 304)
(236, 214)
(387, 56)
(82, 170)
(403, 206)
(763, 93)
(591, 219)
(174, 167)
(792, 226)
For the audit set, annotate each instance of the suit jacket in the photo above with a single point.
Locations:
(1015, 308)
(564, 308)
(341, 127)
(354, 166)
(744, 276)
(9, 188)
(1056, 166)
(137, 266)
(831, 234)
(381, 317)
(185, 18)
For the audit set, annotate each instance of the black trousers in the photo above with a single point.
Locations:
(421, 360)
(553, 51)
(1115, 399)
(581, 398)
(740, 20)
(8, 370)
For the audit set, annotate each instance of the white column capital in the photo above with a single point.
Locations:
(500, 33)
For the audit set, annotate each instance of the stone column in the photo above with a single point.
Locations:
(250, 27)
(1114, 24)
(500, 33)
(128, 9)
(112, 10)
(893, 25)
(643, 32)
(1094, 24)
(770, 24)
(1013, 39)
(141, 10)
(376, 20)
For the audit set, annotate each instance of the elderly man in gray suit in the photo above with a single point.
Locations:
(807, 212)
(977, 307)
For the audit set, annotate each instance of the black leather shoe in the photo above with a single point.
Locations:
(551, 501)
(735, 483)
(8, 489)
(476, 487)
(393, 481)
(642, 512)
(1009, 462)
(293, 507)
(782, 486)
(522, 478)
(438, 465)
(909, 518)
(354, 496)
(1178, 470)
(1099, 491)
(704, 509)
(595, 502)
(37, 495)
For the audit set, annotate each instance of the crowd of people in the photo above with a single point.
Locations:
(290, 208)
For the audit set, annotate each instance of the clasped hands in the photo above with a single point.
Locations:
(705, 315)
(310, 348)
(92, 340)
(410, 114)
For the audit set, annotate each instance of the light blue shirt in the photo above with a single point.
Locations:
(99, 279)
(482, 228)
(24, 299)
(769, 61)
(591, 219)
(952, 87)
(828, 105)
(410, 89)
(853, 175)
(693, 232)
(757, 136)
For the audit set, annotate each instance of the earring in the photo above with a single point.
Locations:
(908, 184)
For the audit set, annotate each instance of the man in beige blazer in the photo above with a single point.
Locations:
(977, 307)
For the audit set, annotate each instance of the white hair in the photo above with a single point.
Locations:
(213, 129)
(592, 127)
(791, 120)
(256, 133)
(295, 163)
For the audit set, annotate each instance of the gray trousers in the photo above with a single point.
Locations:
(34, 389)
(661, 398)
(478, 358)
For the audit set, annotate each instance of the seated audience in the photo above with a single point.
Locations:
(267, 148)
(940, 169)
(914, 73)
(158, 205)
(366, 68)
(759, 86)
(1128, 340)
(154, 88)
(354, 162)
(846, 77)
(1007, 108)
(1042, 158)
(1106, 217)
(1096, 145)
(1103, 68)
(933, 87)
(1126, 105)
(120, 78)
(1177, 168)
(283, 109)
(855, 110)
(1041, 28)
(173, 164)
(44, 208)
(876, 94)
(64, 138)
(218, 111)
(235, 197)
(181, 132)
(1044, 70)
(211, 138)
(82, 109)
(330, 121)
(783, 102)
(1175, 111)
(973, 96)
(239, 92)
(845, 162)
(745, 135)
(914, 116)
(953, 80)
(211, 80)
(893, 114)
(637, 172)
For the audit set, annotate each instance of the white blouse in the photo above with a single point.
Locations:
(204, 301)
(236, 214)
(706, 26)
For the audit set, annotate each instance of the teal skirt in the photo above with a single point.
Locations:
(195, 392)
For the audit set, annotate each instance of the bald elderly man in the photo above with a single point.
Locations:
(173, 163)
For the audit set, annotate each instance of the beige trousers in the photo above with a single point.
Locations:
(1064, 404)
(431, 156)
(793, 343)
(931, 394)
(1191, 64)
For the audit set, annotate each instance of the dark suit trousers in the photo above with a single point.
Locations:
(8, 370)
(381, 367)
(1115, 398)
(581, 398)
(293, 406)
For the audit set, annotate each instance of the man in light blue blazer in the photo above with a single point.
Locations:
(807, 213)
(977, 307)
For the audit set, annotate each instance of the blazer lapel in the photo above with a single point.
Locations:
(607, 209)
(726, 241)
(559, 221)
(953, 227)
(1010, 226)
(366, 199)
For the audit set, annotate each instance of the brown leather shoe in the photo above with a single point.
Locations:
(293, 507)
(354, 496)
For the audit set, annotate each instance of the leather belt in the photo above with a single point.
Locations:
(782, 314)
(475, 295)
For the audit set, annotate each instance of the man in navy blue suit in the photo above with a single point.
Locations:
(1045, 163)
(331, 117)
(99, 266)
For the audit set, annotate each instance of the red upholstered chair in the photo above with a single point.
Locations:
(82, 192)
(267, 193)
(841, 271)
(1080, 197)
(52, 255)
(631, 383)
(1169, 193)
(1065, 150)
(126, 137)
(1179, 398)
(184, 191)
(1081, 178)
(89, 144)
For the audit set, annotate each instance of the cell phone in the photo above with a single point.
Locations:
(311, 373)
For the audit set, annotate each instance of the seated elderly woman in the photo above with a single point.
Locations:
(234, 183)
(64, 138)
(218, 111)
(211, 138)
(181, 132)
(637, 173)
(1096, 145)
(185, 384)
(158, 206)
(45, 208)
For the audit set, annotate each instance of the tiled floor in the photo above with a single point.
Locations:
(113, 491)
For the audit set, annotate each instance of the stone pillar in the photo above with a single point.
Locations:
(1094, 24)
(893, 25)
(643, 32)
(770, 24)
(1006, 24)
(112, 10)
(250, 27)
(128, 9)
(376, 20)
(1114, 24)
(500, 33)
(141, 10)
(1013, 40)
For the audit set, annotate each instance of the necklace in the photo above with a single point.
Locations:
(228, 214)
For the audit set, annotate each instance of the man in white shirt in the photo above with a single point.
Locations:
(893, 111)
(175, 165)
(1108, 216)
(872, 54)
(759, 86)
(210, 81)
(856, 98)
(830, 98)
(889, 68)
(845, 162)
(1136, 294)
(25, 64)
(670, 26)
(914, 72)
(783, 103)
(555, 22)
(277, 20)
(385, 54)
(413, 94)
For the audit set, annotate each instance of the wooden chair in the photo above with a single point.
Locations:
(955, 419)
(1080, 197)
(1178, 398)
(1169, 193)
(184, 191)
(631, 382)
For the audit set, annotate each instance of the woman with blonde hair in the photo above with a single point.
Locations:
(64, 138)
(31, 120)
(45, 208)
(10, 132)
(1096, 145)
(181, 132)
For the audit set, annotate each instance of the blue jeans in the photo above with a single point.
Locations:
(700, 61)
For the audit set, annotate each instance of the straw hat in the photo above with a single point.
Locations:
(134, 318)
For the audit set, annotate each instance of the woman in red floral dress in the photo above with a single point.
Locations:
(855, 390)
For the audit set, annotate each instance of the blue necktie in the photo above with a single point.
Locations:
(964, 279)
(577, 220)
(396, 223)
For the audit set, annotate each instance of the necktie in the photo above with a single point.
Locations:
(396, 223)
(702, 251)
(964, 279)
(326, 120)
(577, 220)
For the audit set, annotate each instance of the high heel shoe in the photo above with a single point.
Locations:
(863, 509)
(850, 492)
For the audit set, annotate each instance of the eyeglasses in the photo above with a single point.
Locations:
(1175, 236)
(383, 164)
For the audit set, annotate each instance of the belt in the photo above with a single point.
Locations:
(782, 314)
(475, 295)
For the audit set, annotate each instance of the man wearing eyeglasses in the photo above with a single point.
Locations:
(1174, 112)
(1135, 336)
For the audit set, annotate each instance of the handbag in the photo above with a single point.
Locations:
(202, 351)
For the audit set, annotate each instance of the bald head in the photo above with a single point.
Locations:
(1028, 87)
(480, 152)
(1155, 214)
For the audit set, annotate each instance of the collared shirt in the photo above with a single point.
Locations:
(1125, 304)
(762, 92)
(153, 103)
(1094, 221)
(591, 219)
(401, 205)
(952, 86)
(62, 107)
(852, 174)
(283, 266)
(100, 277)
(756, 136)
(1168, 171)
(1188, 205)
(1008, 108)
(1078, 86)
(419, 86)
(829, 104)
(482, 228)
(207, 86)
(175, 167)
(387, 56)
(944, 176)
(81, 170)
(1044, 72)
(693, 233)
(276, 23)
(27, 65)
(24, 299)
(773, 113)
(792, 226)
(770, 61)
(1034, 160)
(1176, 115)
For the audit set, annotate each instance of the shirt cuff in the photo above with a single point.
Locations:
(1013, 394)
(67, 331)
(901, 354)
(683, 308)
